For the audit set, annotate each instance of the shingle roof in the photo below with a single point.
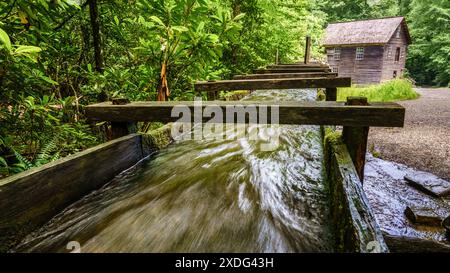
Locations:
(374, 31)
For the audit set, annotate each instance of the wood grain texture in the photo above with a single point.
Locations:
(355, 226)
(261, 84)
(300, 65)
(31, 198)
(355, 137)
(292, 70)
(307, 50)
(366, 71)
(331, 94)
(403, 244)
(315, 113)
(285, 76)
(389, 63)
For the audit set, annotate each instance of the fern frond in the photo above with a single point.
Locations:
(45, 154)
(23, 162)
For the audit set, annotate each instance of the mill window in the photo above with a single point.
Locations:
(360, 53)
(337, 54)
(397, 54)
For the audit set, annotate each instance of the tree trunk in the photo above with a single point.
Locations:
(96, 34)
(163, 92)
(236, 6)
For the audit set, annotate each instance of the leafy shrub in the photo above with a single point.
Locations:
(393, 90)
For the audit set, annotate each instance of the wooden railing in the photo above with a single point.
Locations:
(356, 115)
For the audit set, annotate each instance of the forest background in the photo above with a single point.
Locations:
(57, 56)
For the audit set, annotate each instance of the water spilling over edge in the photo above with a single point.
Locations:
(207, 196)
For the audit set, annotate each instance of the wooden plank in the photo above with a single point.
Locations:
(307, 49)
(355, 137)
(436, 187)
(301, 64)
(331, 94)
(286, 76)
(314, 113)
(297, 66)
(292, 70)
(446, 224)
(423, 216)
(355, 226)
(120, 129)
(260, 84)
(403, 244)
(31, 198)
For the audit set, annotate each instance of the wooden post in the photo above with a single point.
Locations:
(212, 95)
(307, 49)
(120, 129)
(356, 139)
(277, 60)
(331, 94)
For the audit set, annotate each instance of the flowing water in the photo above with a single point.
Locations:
(207, 196)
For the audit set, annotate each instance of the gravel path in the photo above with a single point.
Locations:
(424, 142)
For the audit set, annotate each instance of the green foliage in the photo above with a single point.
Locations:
(429, 55)
(393, 90)
(47, 57)
(35, 132)
(348, 10)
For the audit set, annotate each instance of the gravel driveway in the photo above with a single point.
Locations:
(424, 142)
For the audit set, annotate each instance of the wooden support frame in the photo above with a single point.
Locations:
(120, 129)
(297, 66)
(307, 49)
(331, 94)
(260, 84)
(286, 76)
(355, 137)
(292, 70)
(312, 113)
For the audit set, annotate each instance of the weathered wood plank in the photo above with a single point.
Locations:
(403, 244)
(285, 76)
(31, 198)
(307, 50)
(423, 216)
(292, 70)
(301, 64)
(260, 84)
(315, 113)
(120, 129)
(355, 226)
(331, 94)
(355, 137)
(435, 187)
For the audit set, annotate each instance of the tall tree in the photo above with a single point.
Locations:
(96, 35)
(429, 56)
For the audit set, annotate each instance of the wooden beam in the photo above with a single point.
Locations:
(297, 66)
(120, 129)
(31, 198)
(355, 137)
(292, 70)
(307, 49)
(313, 113)
(331, 94)
(261, 84)
(285, 76)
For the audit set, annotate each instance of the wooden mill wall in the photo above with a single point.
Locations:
(389, 63)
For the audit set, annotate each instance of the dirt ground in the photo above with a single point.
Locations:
(424, 142)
